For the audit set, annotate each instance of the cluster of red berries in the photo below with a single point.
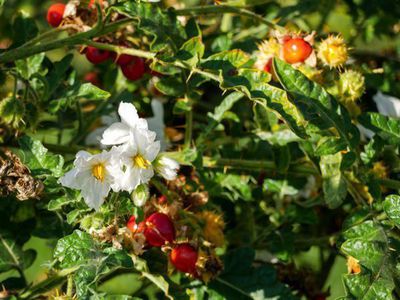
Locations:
(158, 230)
(132, 67)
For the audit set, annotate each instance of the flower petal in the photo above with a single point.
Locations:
(117, 133)
(95, 193)
(129, 115)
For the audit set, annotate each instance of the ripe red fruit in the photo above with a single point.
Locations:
(124, 59)
(93, 78)
(135, 69)
(92, 3)
(184, 258)
(162, 199)
(97, 56)
(268, 66)
(296, 50)
(159, 230)
(55, 14)
(131, 224)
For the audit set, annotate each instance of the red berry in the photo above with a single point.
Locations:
(268, 66)
(97, 56)
(124, 59)
(92, 4)
(184, 258)
(131, 224)
(92, 77)
(135, 69)
(162, 199)
(296, 50)
(55, 14)
(159, 230)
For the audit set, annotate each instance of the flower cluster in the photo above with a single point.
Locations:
(128, 165)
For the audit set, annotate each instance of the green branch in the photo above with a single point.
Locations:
(221, 9)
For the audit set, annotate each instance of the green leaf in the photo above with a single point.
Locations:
(226, 61)
(281, 187)
(10, 254)
(391, 205)
(78, 91)
(241, 280)
(368, 243)
(158, 280)
(75, 249)
(254, 84)
(334, 184)
(279, 138)
(372, 149)
(58, 73)
(316, 104)
(170, 86)
(363, 288)
(329, 145)
(39, 160)
(23, 30)
(161, 24)
(191, 51)
(387, 127)
(29, 66)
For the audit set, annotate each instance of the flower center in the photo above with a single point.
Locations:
(99, 172)
(140, 162)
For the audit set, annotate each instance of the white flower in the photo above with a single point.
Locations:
(387, 105)
(120, 132)
(137, 157)
(94, 176)
(166, 167)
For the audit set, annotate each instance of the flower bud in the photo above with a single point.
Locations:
(351, 85)
(140, 195)
(166, 167)
(333, 51)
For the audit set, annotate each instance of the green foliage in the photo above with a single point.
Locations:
(272, 157)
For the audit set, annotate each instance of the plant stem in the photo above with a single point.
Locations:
(70, 286)
(26, 51)
(189, 127)
(255, 165)
(221, 9)
(120, 50)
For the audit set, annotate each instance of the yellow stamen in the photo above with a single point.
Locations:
(140, 162)
(99, 172)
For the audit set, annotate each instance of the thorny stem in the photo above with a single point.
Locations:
(220, 9)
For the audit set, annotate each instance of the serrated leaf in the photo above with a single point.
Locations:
(389, 128)
(191, 51)
(162, 25)
(334, 184)
(39, 158)
(30, 65)
(316, 104)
